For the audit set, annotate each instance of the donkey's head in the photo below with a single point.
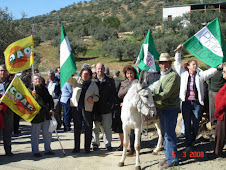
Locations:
(143, 100)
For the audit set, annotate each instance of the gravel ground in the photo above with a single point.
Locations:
(202, 156)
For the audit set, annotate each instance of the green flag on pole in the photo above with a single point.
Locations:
(147, 56)
(208, 44)
(67, 60)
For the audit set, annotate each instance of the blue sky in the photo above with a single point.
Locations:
(34, 7)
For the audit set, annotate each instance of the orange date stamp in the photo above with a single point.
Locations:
(191, 154)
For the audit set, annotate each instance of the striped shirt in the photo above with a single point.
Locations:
(190, 90)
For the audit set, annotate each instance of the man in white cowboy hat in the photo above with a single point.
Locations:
(166, 97)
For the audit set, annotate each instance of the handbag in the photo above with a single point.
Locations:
(53, 124)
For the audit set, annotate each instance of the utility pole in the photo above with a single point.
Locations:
(33, 32)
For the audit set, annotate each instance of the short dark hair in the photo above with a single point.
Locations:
(86, 69)
(129, 67)
(56, 70)
(188, 63)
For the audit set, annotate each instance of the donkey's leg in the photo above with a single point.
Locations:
(126, 131)
(160, 140)
(137, 146)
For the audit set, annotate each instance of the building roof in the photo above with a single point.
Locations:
(204, 4)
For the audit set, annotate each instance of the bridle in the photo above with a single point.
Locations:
(142, 102)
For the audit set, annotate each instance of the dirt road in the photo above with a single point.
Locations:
(200, 158)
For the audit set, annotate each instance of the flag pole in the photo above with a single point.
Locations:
(33, 73)
(32, 66)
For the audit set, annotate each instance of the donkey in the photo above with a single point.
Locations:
(137, 103)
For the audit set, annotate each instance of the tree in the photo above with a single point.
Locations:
(11, 31)
(111, 22)
(175, 25)
(121, 49)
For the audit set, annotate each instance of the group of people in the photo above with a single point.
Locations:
(94, 100)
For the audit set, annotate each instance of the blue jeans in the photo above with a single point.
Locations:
(67, 115)
(168, 121)
(192, 112)
(35, 132)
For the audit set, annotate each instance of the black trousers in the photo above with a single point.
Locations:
(220, 135)
(16, 122)
(79, 115)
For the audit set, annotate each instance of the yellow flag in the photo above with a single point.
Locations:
(19, 99)
(19, 55)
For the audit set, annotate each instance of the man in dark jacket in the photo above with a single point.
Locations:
(107, 92)
(7, 114)
(53, 87)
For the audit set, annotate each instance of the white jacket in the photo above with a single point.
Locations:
(92, 91)
(200, 77)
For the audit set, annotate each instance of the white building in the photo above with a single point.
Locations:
(170, 12)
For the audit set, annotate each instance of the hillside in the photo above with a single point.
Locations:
(103, 21)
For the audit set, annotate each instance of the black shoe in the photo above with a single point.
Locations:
(87, 151)
(109, 148)
(37, 155)
(67, 130)
(95, 147)
(50, 153)
(17, 132)
(9, 154)
(182, 135)
(75, 151)
(120, 148)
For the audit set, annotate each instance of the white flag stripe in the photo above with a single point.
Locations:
(149, 58)
(65, 51)
(138, 61)
(209, 41)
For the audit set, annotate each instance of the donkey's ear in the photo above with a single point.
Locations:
(143, 78)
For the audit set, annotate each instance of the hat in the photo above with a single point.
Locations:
(51, 72)
(115, 72)
(107, 70)
(85, 66)
(164, 57)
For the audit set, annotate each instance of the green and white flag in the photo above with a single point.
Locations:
(208, 44)
(147, 56)
(67, 60)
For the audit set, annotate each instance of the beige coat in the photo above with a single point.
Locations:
(92, 91)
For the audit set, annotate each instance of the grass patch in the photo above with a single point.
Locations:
(48, 55)
(93, 53)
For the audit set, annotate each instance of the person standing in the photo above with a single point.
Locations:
(191, 95)
(85, 94)
(16, 117)
(104, 106)
(7, 114)
(220, 115)
(42, 120)
(116, 114)
(215, 84)
(53, 87)
(130, 75)
(57, 73)
(166, 97)
(65, 102)
(27, 80)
